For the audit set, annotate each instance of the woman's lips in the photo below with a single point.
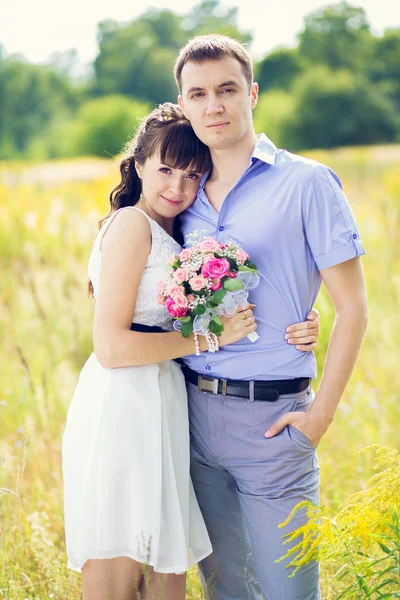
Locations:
(171, 202)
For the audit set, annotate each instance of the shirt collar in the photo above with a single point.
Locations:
(264, 150)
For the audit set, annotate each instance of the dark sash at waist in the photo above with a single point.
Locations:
(147, 328)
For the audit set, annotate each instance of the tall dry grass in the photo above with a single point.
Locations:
(48, 219)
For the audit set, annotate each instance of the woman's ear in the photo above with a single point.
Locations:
(139, 169)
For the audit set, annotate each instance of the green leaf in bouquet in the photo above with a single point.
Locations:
(217, 320)
(218, 296)
(211, 304)
(215, 328)
(187, 328)
(232, 263)
(249, 269)
(199, 310)
(232, 285)
(185, 319)
(252, 266)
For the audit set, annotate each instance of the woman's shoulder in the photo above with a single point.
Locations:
(127, 226)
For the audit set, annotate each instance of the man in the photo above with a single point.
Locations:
(254, 424)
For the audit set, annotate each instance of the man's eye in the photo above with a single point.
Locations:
(198, 95)
(227, 90)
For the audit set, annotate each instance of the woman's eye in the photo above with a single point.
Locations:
(165, 170)
(193, 176)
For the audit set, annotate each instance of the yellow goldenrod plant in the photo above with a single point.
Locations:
(362, 541)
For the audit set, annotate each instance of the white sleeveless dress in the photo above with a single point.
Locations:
(125, 450)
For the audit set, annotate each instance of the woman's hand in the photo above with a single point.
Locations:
(237, 327)
(305, 335)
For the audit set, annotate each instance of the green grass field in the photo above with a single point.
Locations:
(48, 218)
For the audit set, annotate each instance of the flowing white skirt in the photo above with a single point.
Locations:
(127, 486)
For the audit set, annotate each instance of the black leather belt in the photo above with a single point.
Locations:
(268, 391)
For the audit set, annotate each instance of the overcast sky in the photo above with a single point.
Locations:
(37, 28)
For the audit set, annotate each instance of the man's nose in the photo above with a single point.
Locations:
(214, 105)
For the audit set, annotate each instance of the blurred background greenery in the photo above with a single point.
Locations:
(339, 86)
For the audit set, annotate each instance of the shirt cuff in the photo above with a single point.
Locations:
(339, 255)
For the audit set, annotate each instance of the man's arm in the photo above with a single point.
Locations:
(346, 286)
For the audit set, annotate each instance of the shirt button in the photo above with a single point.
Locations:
(208, 368)
(354, 236)
(221, 227)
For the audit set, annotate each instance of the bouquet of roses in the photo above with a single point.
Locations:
(205, 281)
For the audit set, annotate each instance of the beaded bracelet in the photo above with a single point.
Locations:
(212, 341)
(196, 343)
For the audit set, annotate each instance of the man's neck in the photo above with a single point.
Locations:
(230, 163)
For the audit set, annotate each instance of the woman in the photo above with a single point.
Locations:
(129, 500)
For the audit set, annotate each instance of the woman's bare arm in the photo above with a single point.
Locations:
(125, 249)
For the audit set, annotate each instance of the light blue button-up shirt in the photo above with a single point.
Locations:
(290, 215)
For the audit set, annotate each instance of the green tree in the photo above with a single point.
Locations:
(279, 69)
(31, 96)
(337, 36)
(273, 115)
(339, 109)
(104, 125)
(209, 16)
(137, 59)
(384, 67)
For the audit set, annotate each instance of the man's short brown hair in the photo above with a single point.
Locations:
(213, 47)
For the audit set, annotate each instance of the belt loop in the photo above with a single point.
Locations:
(251, 390)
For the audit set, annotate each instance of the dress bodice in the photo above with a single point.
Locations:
(147, 310)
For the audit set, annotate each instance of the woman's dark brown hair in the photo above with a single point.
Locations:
(166, 131)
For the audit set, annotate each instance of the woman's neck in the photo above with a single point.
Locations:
(165, 223)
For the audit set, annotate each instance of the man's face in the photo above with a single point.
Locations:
(217, 101)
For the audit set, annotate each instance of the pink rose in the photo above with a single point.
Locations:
(180, 275)
(174, 309)
(197, 283)
(173, 290)
(171, 259)
(208, 257)
(209, 245)
(160, 287)
(241, 255)
(216, 268)
(191, 297)
(160, 299)
(233, 275)
(180, 300)
(185, 254)
(216, 285)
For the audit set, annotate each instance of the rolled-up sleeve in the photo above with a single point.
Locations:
(329, 224)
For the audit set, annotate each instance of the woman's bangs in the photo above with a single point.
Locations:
(181, 149)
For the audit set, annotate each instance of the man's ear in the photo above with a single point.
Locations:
(181, 104)
(139, 169)
(254, 95)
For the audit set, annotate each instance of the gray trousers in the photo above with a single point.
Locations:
(246, 485)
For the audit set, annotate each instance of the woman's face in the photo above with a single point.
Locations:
(167, 191)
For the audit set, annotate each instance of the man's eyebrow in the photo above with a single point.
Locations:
(195, 89)
(230, 82)
(224, 84)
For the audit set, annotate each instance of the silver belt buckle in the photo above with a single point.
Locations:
(205, 384)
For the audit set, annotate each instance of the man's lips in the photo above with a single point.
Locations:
(217, 125)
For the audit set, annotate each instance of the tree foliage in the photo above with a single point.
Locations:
(340, 85)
